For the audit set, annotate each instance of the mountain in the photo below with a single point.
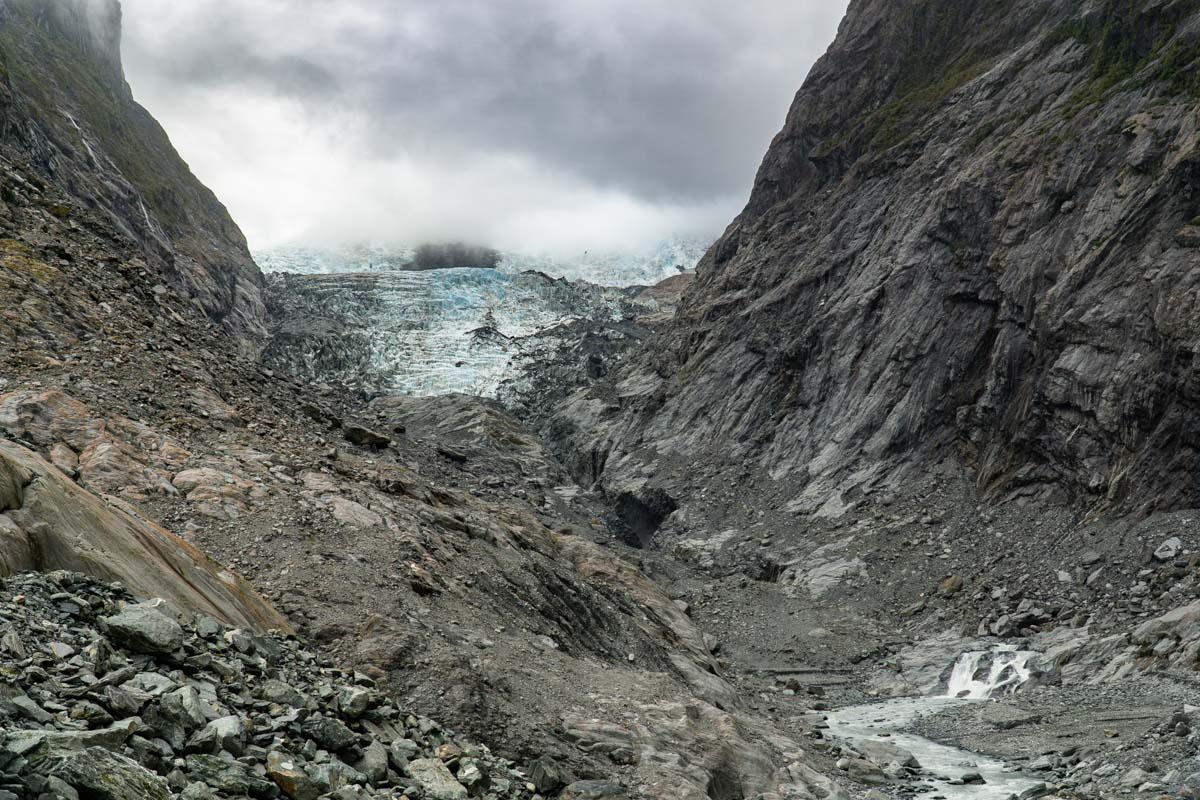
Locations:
(911, 430)
(429, 546)
(67, 111)
(974, 238)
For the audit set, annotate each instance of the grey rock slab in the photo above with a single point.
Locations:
(435, 780)
(145, 629)
(592, 790)
(105, 775)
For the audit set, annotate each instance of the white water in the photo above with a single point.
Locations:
(980, 674)
(975, 677)
(87, 145)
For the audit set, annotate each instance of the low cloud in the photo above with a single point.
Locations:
(530, 124)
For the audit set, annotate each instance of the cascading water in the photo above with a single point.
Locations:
(980, 674)
(975, 676)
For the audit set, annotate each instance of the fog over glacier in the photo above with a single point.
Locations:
(529, 125)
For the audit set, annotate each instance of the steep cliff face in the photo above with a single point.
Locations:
(976, 233)
(67, 113)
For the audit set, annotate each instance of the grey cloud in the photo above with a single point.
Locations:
(671, 101)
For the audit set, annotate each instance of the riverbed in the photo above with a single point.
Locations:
(974, 677)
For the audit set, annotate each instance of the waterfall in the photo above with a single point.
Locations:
(980, 674)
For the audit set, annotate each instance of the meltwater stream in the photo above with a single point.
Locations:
(975, 677)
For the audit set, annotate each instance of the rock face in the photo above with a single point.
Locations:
(977, 235)
(66, 110)
(47, 522)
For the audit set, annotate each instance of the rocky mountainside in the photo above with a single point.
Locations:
(976, 236)
(67, 114)
(458, 565)
(659, 561)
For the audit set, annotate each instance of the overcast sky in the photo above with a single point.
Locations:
(525, 124)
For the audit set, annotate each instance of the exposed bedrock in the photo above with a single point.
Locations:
(977, 245)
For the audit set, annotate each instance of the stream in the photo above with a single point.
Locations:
(976, 676)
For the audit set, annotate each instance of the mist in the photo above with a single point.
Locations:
(528, 125)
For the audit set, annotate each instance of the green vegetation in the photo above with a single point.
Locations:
(935, 64)
(17, 257)
(1181, 69)
(1128, 41)
(900, 118)
(57, 67)
(60, 210)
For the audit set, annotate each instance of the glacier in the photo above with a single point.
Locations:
(615, 268)
(354, 316)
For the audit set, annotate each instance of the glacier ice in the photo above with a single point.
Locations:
(426, 333)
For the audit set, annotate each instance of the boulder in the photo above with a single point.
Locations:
(223, 734)
(51, 523)
(144, 628)
(330, 733)
(289, 775)
(547, 775)
(882, 752)
(365, 437)
(1007, 717)
(353, 701)
(276, 691)
(1168, 550)
(226, 775)
(435, 780)
(593, 790)
(104, 775)
(374, 763)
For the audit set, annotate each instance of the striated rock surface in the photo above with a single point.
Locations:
(47, 522)
(976, 235)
